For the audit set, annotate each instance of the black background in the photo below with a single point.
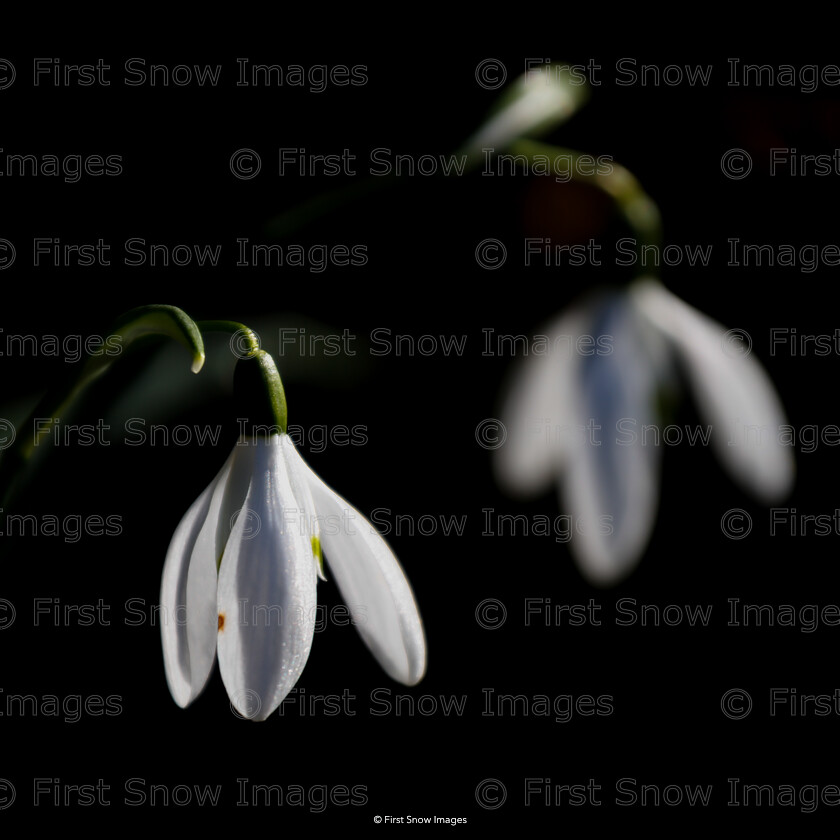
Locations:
(421, 458)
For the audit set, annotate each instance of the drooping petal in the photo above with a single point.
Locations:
(611, 482)
(733, 392)
(297, 470)
(537, 415)
(372, 584)
(267, 598)
(188, 602)
(228, 500)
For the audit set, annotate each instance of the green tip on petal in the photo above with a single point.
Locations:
(319, 556)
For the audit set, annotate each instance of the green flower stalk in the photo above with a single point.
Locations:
(133, 326)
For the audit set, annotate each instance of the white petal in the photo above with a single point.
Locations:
(228, 501)
(733, 392)
(187, 597)
(228, 497)
(372, 584)
(611, 483)
(267, 598)
(297, 471)
(537, 415)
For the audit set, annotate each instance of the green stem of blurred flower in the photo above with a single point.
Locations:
(635, 206)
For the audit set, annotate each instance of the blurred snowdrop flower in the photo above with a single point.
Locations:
(575, 415)
(261, 523)
(534, 104)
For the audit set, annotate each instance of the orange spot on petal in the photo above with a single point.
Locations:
(221, 621)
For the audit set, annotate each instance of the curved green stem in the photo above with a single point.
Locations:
(636, 207)
(245, 344)
(165, 320)
(531, 106)
(156, 319)
(248, 342)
